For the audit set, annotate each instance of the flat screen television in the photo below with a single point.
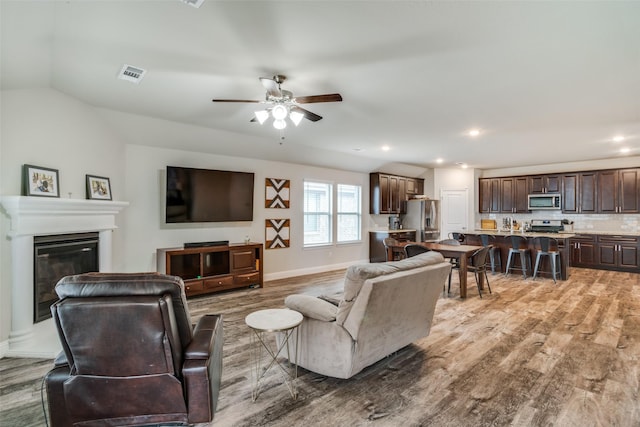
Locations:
(204, 195)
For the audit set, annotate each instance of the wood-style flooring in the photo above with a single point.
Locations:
(530, 354)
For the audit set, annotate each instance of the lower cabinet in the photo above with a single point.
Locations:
(619, 253)
(583, 251)
(377, 252)
(606, 252)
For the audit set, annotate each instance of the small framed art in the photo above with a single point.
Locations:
(40, 181)
(98, 188)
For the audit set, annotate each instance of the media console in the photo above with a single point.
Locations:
(211, 269)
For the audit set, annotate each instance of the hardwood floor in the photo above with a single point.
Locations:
(530, 354)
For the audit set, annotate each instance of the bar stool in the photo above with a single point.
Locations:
(547, 246)
(519, 247)
(460, 237)
(494, 252)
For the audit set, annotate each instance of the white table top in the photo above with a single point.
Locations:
(273, 319)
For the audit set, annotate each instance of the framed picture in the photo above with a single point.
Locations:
(98, 188)
(277, 193)
(277, 233)
(39, 181)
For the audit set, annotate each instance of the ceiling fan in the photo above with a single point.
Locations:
(282, 104)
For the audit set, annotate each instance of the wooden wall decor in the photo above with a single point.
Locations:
(277, 233)
(277, 193)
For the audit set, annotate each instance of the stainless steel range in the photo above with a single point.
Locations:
(546, 226)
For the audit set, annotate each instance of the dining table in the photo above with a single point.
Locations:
(460, 252)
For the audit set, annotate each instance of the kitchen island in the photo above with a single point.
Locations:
(503, 242)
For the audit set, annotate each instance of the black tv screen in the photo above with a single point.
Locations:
(204, 195)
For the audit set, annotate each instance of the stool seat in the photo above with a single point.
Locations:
(519, 247)
(547, 246)
(495, 259)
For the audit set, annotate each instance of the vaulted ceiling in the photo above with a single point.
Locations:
(544, 82)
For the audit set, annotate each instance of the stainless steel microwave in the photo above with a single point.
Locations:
(544, 201)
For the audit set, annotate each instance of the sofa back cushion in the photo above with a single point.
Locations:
(357, 274)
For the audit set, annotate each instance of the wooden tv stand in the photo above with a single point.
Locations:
(211, 269)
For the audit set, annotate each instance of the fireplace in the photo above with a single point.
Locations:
(55, 257)
(33, 217)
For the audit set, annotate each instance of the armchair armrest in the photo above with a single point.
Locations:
(312, 307)
(202, 369)
(202, 342)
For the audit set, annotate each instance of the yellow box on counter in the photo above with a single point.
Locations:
(488, 224)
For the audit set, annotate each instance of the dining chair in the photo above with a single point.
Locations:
(455, 263)
(390, 248)
(460, 237)
(413, 249)
(547, 246)
(478, 264)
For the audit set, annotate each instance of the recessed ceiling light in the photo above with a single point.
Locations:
(625, 150)
(386, 148)
(357, 149)
(439, 160)
(618, 138)
(462, 165)
(474, 132)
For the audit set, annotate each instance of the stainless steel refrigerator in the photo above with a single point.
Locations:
(424, 217)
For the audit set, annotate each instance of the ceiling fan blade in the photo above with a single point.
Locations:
(307, 114)
(331, 97)
(272, 86)
(235, 100)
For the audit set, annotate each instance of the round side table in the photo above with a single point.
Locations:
(279, 321)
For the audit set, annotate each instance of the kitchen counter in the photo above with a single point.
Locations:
(386, 230)
(562, 235)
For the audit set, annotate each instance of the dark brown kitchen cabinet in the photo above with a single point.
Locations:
(389, 192)
(377, 252)
(583, 251)
(619, 253)
(541, 184)
(415, 186)
(579, 191)
(513, 194)
(490, 194)
(619, 191)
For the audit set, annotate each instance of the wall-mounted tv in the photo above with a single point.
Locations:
(204, 195)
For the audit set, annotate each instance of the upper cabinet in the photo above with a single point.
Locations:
(389, 192)
(619, 191)
(604, 191)
(579, 192)
(503, 195)
(541, 184)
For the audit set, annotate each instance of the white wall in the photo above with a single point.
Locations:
(145, 230)
(46, 128)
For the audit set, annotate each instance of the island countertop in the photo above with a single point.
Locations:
(525, 234)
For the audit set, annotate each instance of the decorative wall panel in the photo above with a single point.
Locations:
(277, 233)
(277, 193)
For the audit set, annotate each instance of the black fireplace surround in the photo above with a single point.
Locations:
(55, 257)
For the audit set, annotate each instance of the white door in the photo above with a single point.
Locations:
(454, 207)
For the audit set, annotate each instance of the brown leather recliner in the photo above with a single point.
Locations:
(130, 355)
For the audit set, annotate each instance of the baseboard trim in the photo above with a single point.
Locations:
(311, 270)
(4, 348)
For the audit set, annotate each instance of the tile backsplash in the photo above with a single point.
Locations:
(618, 223)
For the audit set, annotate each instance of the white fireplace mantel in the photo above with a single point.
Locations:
(43, 216)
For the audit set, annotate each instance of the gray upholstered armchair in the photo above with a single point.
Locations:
(130, 354)
(384, 307)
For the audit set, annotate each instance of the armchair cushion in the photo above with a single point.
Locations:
(312, 307)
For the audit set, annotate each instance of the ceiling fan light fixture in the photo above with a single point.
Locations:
(279, 112)
(262, 116)
(279, 124)
(296, 117)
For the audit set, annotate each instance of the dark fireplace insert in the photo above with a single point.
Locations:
(57, 256)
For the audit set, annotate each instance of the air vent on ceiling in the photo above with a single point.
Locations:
(131, 74)
(194, 3)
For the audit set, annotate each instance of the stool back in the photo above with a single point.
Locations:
(546, 244)
(518, 242)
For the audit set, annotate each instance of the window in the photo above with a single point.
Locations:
(320, 209)
(317, 213)
(348, 213)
